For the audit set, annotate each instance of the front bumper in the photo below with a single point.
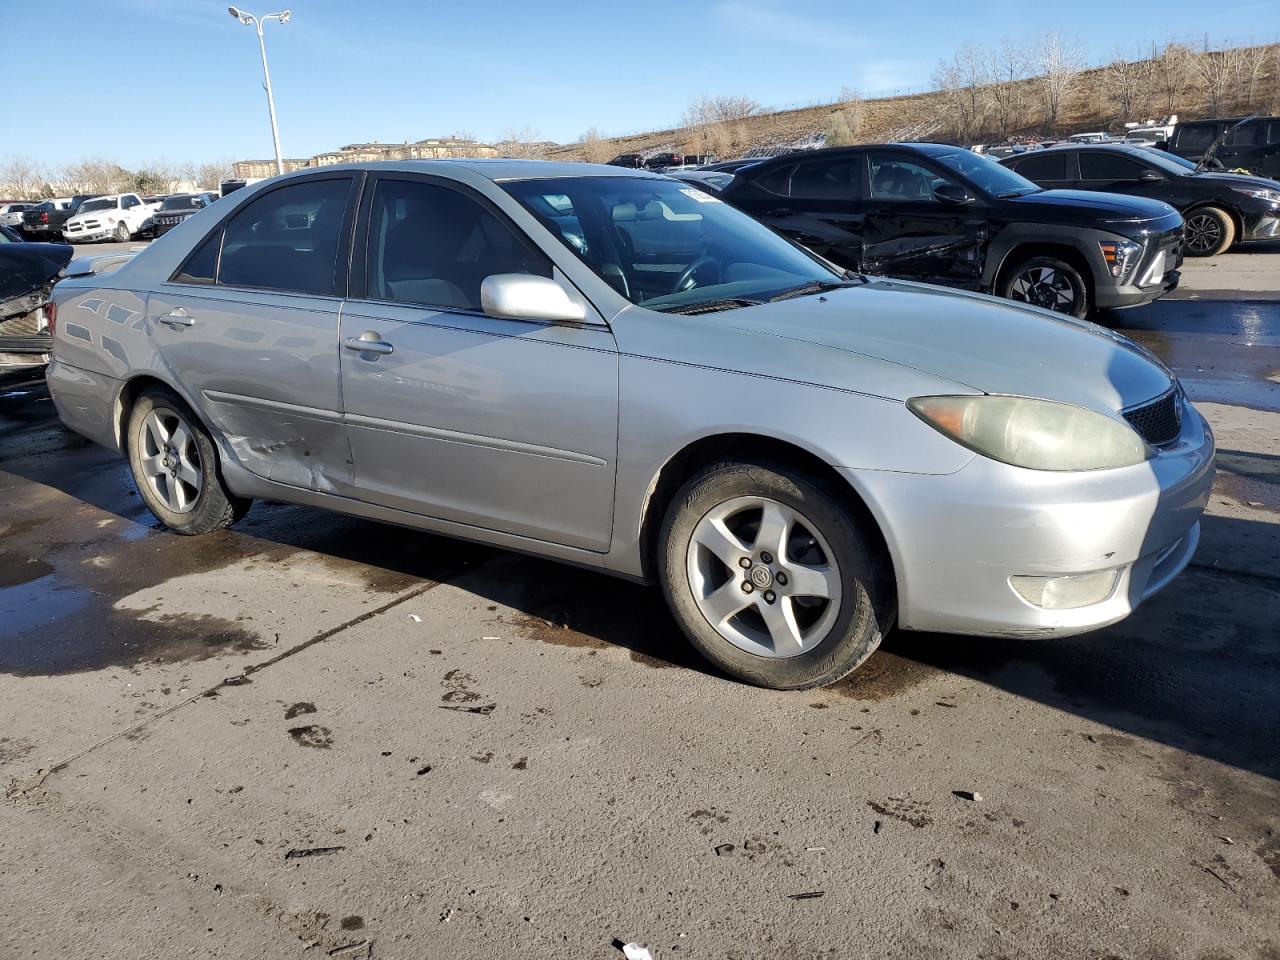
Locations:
(1263, 226)
(1157, 273)
(87, 236)
(957, 540)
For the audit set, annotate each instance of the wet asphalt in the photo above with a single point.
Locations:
(90, 587)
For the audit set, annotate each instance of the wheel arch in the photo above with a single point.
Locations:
(707, 450)
(128, 395)
(1216, 203)
(1065, 252)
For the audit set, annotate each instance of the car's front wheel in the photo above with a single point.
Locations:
(1047, 282)
(122, 232)
(175, 466)
(1210, 231)
(770, 575)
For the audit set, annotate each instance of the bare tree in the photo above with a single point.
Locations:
(845, 124)
(1172, 71)
(962, 82)
(96, 175)
(714, 124)
(1126, 84)
(1217, 72)
(595, 148)
(1005, 75)
(21, 177)
(209, 176)
(1253, 63)
(1058, 64)
(524, 143)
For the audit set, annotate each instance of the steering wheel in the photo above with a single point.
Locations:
(685, 280)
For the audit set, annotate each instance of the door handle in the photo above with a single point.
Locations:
(176, 318)
(369, 342)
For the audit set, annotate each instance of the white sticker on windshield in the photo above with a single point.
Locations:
(700, 196)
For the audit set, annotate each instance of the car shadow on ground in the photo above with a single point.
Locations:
(1196, 668)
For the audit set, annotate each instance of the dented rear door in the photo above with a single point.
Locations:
(263, 369)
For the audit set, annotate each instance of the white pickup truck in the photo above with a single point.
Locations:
(117, 216)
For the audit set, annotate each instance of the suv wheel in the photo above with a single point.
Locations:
(1210, 231)
(769, 575)
(122, 232)
(1050, 283)
(175, 466)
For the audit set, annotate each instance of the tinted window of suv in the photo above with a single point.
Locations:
(1108, 166)
(287, 239)
(1247, 136)
(1196, 138)
(834, 179)
(433, 245)
(1047, 165)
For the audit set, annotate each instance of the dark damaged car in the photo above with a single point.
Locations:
(28, 272)
(941, 214)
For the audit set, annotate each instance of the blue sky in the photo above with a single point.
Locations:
(181, 80)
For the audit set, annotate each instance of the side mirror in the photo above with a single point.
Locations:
(1150, 176)
(520, 296)
(952, 193)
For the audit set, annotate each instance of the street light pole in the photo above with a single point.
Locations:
(250, 20)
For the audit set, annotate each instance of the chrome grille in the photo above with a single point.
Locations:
(1158, 421)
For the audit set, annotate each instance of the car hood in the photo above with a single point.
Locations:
(1106, 207)
(1237, 180)
(26, 267)
(987, 344)
(92, 215)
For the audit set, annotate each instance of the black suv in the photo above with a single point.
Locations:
(1252, 146)
(632, 161)
(1220, 208)
(942, 214)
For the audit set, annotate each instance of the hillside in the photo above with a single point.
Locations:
(1239, 79)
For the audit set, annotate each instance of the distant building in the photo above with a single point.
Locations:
(432, 149)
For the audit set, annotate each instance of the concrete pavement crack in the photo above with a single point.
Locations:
(19, 787)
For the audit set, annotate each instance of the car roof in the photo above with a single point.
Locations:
(494, 169)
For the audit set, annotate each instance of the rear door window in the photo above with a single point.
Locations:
(1108, 167)
(287, 239)
(827, 179)
(1196, 138)
(1046, 165)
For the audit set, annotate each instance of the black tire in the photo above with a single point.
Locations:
(122, 232)
(1210, 231)
(213, 506)
(1047, 282)
(855, 628)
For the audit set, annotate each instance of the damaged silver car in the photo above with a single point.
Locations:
(613, 369)
(28, 272)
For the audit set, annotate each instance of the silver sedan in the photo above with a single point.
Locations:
(616, 370)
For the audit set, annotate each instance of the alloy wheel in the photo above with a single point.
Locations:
(1204, 233)
(764, 577)
(1044, 287)
(170, 460)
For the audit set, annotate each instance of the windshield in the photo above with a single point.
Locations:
(1168, 162)
(183, 203)
(104, 203)
(986, 174)
(667, 245)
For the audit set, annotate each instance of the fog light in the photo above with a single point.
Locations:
(1066, 592)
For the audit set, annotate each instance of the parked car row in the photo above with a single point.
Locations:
(661, 162)
(86, 218)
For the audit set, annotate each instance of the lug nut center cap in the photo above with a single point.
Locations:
(761, 576)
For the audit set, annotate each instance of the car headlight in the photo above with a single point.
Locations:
(1122, 257)
(1262, 193)
(1036, 434)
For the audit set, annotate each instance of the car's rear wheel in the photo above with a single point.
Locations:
(1047, 282)
(1210, 231)
(175, 466)
(122, 232)
(770, 576)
